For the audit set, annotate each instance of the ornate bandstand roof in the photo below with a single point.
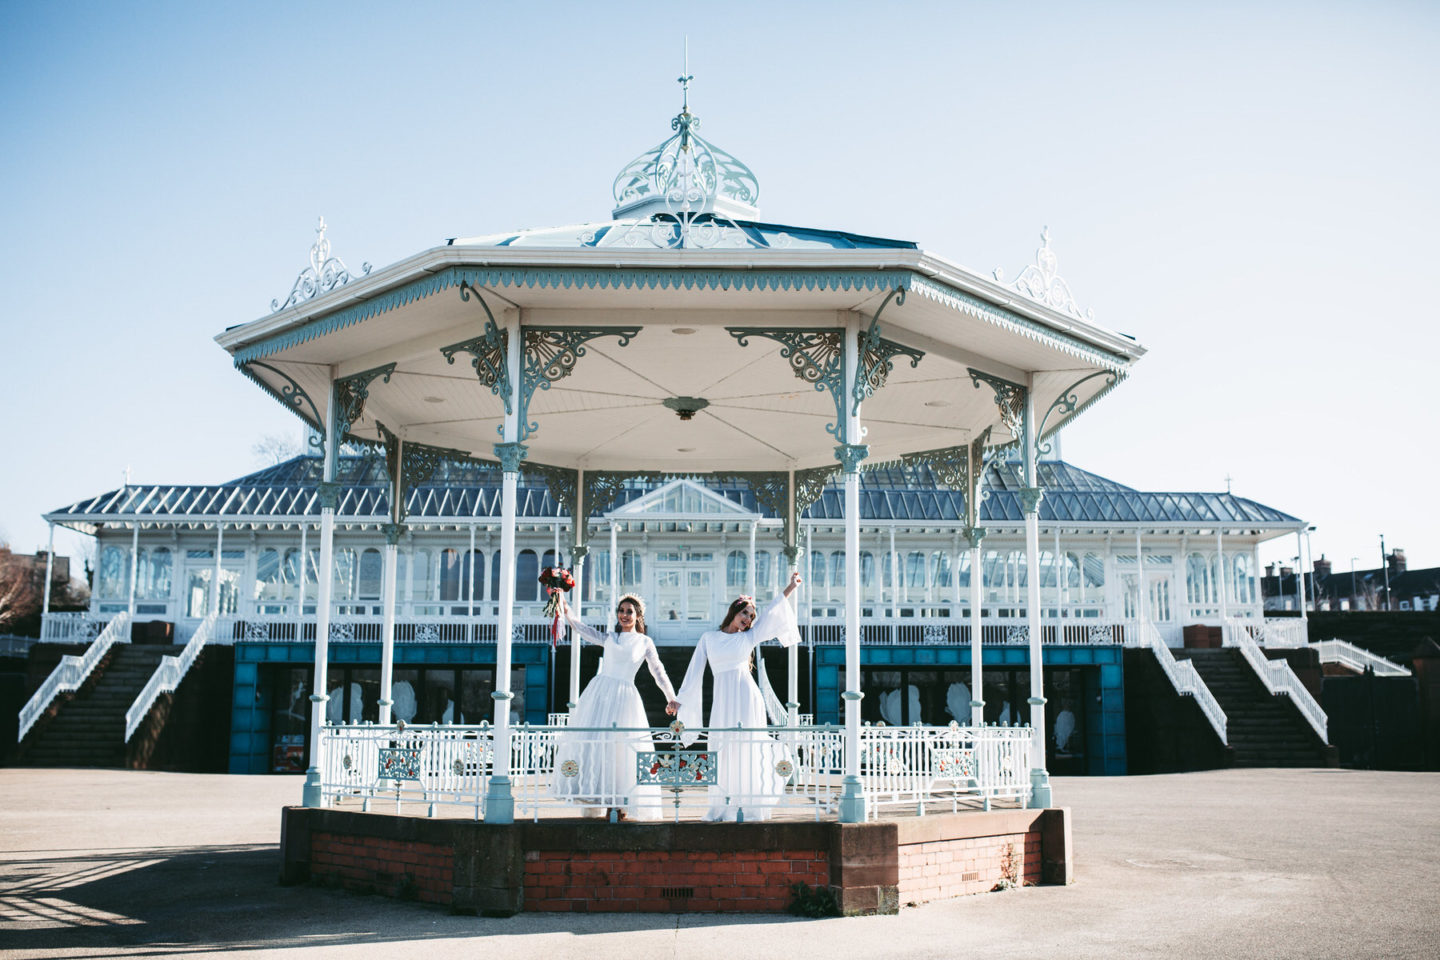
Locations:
(462, 493)
(683, 336)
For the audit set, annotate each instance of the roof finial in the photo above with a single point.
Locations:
(684, 80)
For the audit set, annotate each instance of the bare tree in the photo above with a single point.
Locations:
(18, 596)
(273, 448)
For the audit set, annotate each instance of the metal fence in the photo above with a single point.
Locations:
(674, 773)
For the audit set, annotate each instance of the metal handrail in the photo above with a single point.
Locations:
(1187, 681)
(1277, 677)
(1357, 658)
(72, 672)
(167, 676)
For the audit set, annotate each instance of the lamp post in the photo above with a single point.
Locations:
(1385, 566)
(1352, 582)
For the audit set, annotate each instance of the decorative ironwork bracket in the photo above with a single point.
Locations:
(1040, 282)
(350, 395)
(550, 356)
(875, 353)
(410, 464)
(851, 455)
(510, 455)
(1067, 403)
(488, 351)
(1009, 397)
(291, 395)
(815, 356)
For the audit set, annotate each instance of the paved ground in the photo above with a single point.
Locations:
(1252, 863)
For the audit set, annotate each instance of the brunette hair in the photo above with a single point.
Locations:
(736, 605)
(639, 606)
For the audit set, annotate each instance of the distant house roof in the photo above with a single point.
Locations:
(461, 492)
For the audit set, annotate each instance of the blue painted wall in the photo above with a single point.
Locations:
(250, 704)
(1104, 686)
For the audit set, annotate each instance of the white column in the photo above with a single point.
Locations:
(977, 599)
(852, 800)
(575, 636)
(500, 802)
(215, 580)
(470, 588)
(750, 580)
(1039, 778)
(387, 626)
(1220, 576)
(304, 576)
(614, 567)
(135, 566)
(49, 572)
(325, 577)
(1058, 569)
(1142, 598)
(792, 654)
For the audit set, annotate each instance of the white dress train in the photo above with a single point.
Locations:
(750, 780)
(603, 771)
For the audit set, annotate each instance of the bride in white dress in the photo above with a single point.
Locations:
(599, 767)
(750, 777)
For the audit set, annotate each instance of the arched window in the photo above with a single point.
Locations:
(472, 575)
(763, 575)
(914, 573)
(114, 574)
(450, 575)
(1244, 578)
(421, 576)
(292, 574)
(631, 570)
(962, 571)
(371, 574)
(156, 567)
(1094, 571)
(737, 571)
(496, 562)
(269, 582)
(1047, 569)
(597, 575)
(344, 587)
(867, 574)
(527, 576)
(940, 569)
(1199, 579)
(837, 569)
(817, 573)
(402, 573)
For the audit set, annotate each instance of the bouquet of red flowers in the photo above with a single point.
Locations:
(557, 581)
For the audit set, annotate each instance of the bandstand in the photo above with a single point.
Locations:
(683, 337)
(688, 401)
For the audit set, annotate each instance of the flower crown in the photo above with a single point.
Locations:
(746, 597)
(633, 598)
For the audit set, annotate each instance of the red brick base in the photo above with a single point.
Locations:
(582, 865)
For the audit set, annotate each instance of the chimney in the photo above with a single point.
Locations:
(1396, 561)
(1269, 569)
(1322, 567)
(1287, 571)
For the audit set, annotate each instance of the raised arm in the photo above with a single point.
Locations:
(692, 691)
(587, 633)
(777, 620)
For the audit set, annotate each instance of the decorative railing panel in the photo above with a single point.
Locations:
(167, 676)
(1276, 675)
(72, 672)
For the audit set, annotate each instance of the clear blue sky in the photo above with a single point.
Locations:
(1250, 189)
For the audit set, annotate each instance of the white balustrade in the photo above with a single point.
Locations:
(1187, 681)
(167, 676)
(1277, 676)
(1356, 658)
(1284, 632)
(801, 768)
(72, 672)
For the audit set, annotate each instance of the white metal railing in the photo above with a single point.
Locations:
(1356, 658)
(167, 676)
(1284, 632)
(993, 632)
(369, 629)
(1277, 676)
(71, 672)
(1187, 682)
(737, 773)
(72, 627)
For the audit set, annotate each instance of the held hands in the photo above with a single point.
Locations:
(672, 708)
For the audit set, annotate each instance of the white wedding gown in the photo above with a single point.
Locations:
(604, 763)
(749, 783)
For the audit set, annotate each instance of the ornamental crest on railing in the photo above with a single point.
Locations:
(1040, 282)
(324, 274)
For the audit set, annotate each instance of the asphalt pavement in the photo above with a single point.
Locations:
(1228, 863)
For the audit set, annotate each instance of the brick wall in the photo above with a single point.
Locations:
(408, 869)
(750, 881)
(956, 868)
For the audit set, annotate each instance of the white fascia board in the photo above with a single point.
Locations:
(436, 259)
